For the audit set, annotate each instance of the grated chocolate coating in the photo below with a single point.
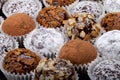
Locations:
(20, 61)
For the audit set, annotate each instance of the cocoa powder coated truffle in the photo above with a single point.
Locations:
(55, 69)
(51, 16)
(20, 61)
(18, 24)
(111, 21)
(78, 52)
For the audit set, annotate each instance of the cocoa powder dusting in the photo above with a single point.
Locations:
(18, 24)
(78, 52)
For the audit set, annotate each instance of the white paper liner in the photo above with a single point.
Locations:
(98, 60)
(70, 9)
(112, 5)
(39, 4)
(44, 52)
(82, 69)
(46, 4)
(13, 76)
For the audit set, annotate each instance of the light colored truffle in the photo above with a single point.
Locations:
(7, 43)
(109, 43)
(107, 70)
(44, 40)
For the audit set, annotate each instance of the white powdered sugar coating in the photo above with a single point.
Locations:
(7, 44)
(88, 6)
(29, 7)
(109, 43)
(107, 70)
(112, 5)
(44, 41)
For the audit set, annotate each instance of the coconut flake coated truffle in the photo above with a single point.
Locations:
(109, 43)
(78, 52)
(7, 43)
(30, 7)
(55, 69)
(107, 70)
(44, 40)
(20, 61)
(90, 7)
(18, 24)
(112, 5)
(82, 26)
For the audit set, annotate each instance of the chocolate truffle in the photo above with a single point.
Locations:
(112, 5)
(59, 2)
(44, 41)
(51, 16)
(107, 70)
(20, 61)
(111, 21)
(82, 26)
(109, 43)
(7, 43)
(18, 24)
(55, 69)
(90, 7)
(78, 52)
(30, 7)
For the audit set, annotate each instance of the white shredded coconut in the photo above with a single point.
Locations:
(112, 5)
(88, 6)
(29, 7)
(109, 43)
(44, 41)
(6, 44)
(107, 70)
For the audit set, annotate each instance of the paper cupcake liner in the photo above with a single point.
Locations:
(39, 4)
(70, 9)
(46, 4)
(13, 76)
(81, 70)
(98, 60)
